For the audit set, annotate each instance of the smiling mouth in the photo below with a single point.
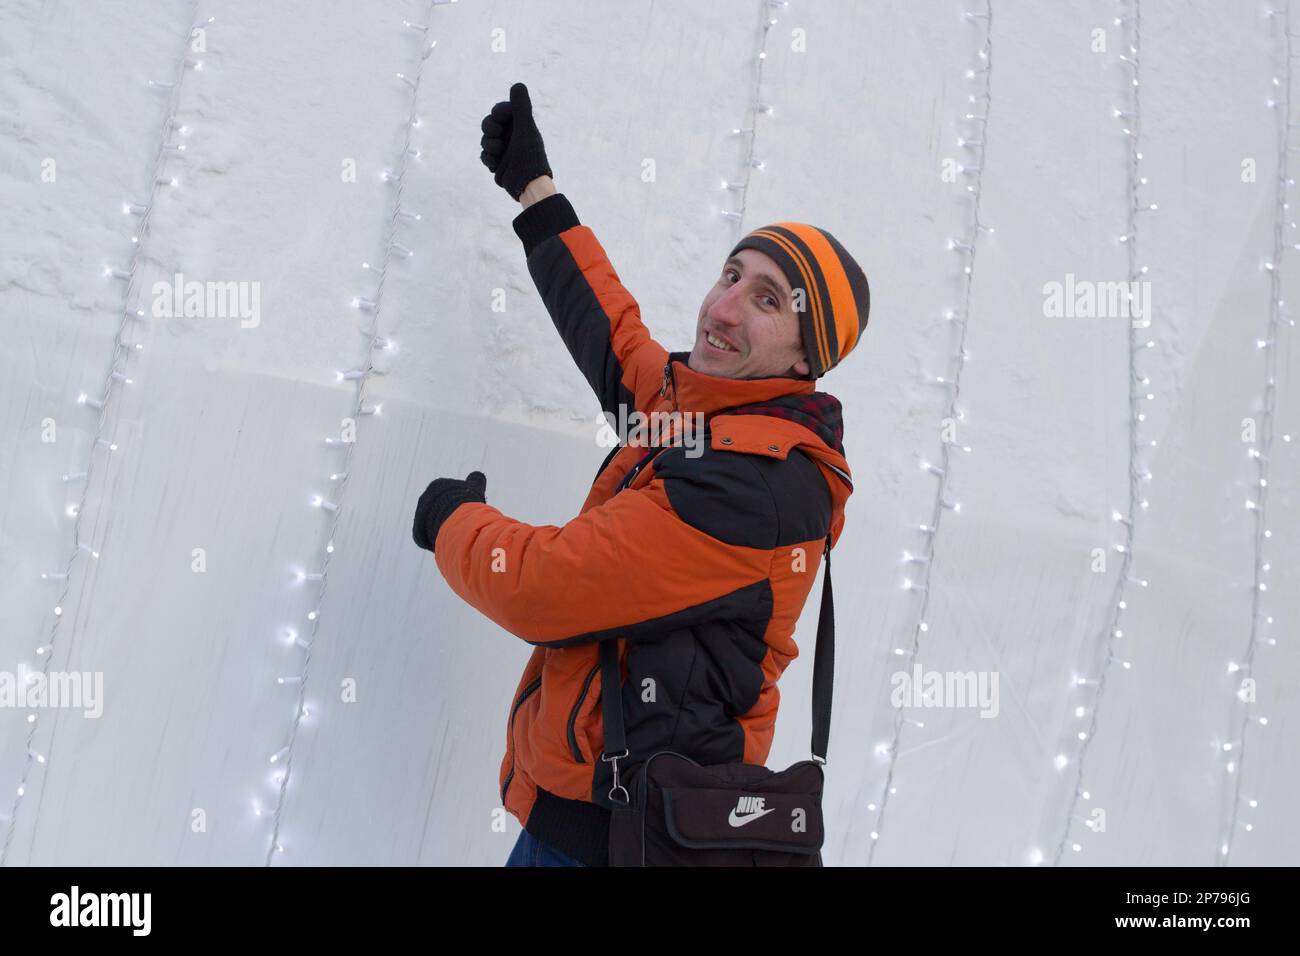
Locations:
(717, 344)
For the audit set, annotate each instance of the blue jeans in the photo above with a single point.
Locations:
(530, 851)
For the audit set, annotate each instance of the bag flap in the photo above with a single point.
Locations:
(670, 769)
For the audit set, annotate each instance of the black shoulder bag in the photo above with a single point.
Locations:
(672, 811)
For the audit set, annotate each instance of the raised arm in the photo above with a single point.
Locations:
(597, 318)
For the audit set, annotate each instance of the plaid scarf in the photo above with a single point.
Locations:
(820, 412)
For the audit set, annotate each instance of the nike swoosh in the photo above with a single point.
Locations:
(736, 821)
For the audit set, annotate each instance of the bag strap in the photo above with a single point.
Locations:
(823, 679)
(822, 683)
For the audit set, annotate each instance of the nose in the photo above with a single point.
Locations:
(727, 309)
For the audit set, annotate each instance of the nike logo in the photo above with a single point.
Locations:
(739, 821)
(748, 809)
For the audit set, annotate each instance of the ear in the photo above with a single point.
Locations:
(802, 367)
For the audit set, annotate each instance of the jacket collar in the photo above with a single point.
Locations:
(790, 406)
(693, 391)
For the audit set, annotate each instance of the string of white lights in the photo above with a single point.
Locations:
(1106, 650)
(1246, 717)
(759, 109)
(966, 247)
(371, 305)
(102, 400)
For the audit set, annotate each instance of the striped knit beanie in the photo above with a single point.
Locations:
(836, 297)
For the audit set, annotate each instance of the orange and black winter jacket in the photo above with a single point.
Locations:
(698, 564)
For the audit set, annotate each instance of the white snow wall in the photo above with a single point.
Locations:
(220, 435)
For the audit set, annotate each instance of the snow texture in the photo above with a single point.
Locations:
(220, 435)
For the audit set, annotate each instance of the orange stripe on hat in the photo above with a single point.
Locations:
(809, 282)
(843, 308)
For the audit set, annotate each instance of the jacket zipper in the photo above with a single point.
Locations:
(669, 380)
(510, 729)
(669, 376)
(573, 715)
(635, 470)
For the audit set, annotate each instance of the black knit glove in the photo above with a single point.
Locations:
(512, 146)
(440, 499)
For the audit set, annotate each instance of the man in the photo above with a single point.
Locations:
(698, 565)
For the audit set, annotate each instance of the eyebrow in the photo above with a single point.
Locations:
(761, 278)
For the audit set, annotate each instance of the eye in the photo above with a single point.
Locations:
(768, 298)
(729, 271)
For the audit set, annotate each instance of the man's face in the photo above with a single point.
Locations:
(751, 310)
